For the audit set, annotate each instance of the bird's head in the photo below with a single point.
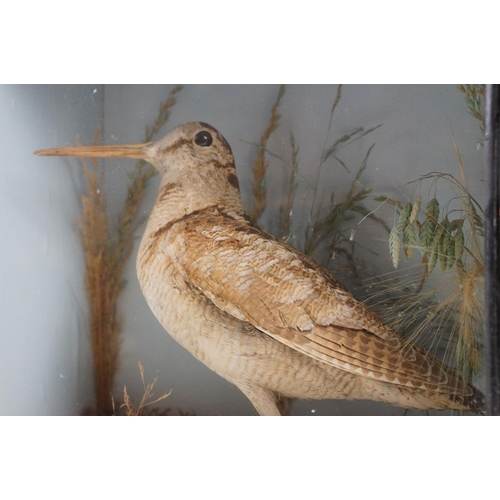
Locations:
(194, 148)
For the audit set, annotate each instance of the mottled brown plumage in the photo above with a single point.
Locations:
(254, 310)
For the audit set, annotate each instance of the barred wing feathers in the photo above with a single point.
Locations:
(259, 279)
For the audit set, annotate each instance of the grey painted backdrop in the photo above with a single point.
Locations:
(45, 364)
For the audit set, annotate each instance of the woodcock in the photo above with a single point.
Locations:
(254, 310)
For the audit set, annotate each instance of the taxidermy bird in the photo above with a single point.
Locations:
(256, 311)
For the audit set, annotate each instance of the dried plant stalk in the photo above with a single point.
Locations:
(456, 245)
(259, 189)
(329, 229)
(325, 229)
(475, 95)
(286, 208)
(128, 220)
(326, 226)
(147, 397)
(101, 285)
(107, 255)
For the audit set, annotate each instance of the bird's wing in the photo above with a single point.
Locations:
(258, 279)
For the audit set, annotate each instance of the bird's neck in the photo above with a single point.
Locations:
(179, 196)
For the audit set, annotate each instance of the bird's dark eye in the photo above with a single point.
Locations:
(203, 139)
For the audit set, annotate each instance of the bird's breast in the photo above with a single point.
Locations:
(189, 317)
(167, 293)
(230, 347)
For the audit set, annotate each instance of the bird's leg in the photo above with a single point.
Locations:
(263, 400)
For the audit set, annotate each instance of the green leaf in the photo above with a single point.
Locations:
(394, 246)
(444, 244)
(409, 240)
(435, 246)
(433, 256)
(478, 220)
(438, 234)
(404, 217)
(451, 254)
(459, 243)
(432, 210)
(425, 236)
(415, 210)
(455, 224)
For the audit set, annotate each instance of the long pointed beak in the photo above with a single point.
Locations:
(140, 151)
